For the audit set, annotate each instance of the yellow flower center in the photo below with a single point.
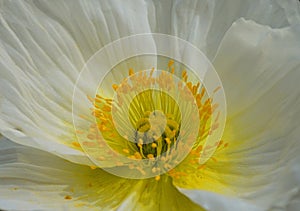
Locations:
(155, 117)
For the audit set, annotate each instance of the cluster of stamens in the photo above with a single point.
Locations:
(156, 131)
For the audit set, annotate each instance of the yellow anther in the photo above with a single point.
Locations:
(76, 144)
(98, 100)
(189, 85)
(115, 87)
(195, 89)
(106, 108)
(96, 114)
(202, 93)
(99, 96)
(93, 167)
(153, 145)
(171, 62)
(103, 128)
(157, 178)
(140, 141)
(198, 100)
(150, 156)
(131, 72)
(168, 140)
(183, 74)
(126, 151)
(137, 155)
(185, 78)
(201, 167)
(68, 197)
(103, 119)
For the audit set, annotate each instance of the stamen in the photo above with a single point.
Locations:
(126, 151)
(131, 72)
(153, 145)
(171, 62)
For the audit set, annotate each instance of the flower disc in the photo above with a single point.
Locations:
(148, 106)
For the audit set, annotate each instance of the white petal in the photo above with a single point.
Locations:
(212, 201)
(34, 180)
(31, 179)
(93, 24)
(43, 47)
(266, 12)
(209, 20)
(259, 67)
(254, 60)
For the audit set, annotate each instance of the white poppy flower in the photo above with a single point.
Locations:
(254, 47)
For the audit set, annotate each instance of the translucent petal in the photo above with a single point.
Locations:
(259, 67)
(31, 179)
(211, 19)
(44, 45)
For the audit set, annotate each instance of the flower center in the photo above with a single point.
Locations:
(148, 118)
(153, 121)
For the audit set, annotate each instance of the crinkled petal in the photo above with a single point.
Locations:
(209, 20)
(31, 179)
(259, 68)
(93, 24)
(44, 45)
